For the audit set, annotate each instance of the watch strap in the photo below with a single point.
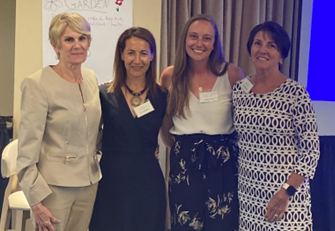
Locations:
(290, 190)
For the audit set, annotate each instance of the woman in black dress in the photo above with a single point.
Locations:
(131, 194)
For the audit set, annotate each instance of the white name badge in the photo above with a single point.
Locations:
(246, 85)
(144, 109)
(210, 96)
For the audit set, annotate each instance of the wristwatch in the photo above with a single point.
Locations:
(290, 190)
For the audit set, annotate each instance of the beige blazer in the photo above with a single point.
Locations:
(58, 133)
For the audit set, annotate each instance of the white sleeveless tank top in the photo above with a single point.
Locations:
(210, 118)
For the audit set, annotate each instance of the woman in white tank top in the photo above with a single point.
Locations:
(198, 128)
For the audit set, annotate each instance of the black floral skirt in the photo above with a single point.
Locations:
(203, 183)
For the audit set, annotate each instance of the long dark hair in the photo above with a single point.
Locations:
(120, 73)
(179, 94)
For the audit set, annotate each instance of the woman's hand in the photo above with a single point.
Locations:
(275, 209)
(157, 152)
(105, 83)
(44, 220)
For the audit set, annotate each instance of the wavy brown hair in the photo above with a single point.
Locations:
(120, 72)
(178, 101)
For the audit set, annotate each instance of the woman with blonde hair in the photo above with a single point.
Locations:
(57, 163)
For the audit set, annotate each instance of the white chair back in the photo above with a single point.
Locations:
(15, 205)
(8, 159)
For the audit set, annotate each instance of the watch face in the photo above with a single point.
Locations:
(291, 190)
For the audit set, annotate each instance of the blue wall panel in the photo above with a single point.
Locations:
(321, 69)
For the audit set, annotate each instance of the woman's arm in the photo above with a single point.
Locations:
(304, 121)
(99, 138)
(234, 74)
(34, 110)
(166, 78)
(166, 136)
(306, 130)
(275, 209)
(165, 83)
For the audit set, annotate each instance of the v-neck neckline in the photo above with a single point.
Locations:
(213, 88)
(125, 103)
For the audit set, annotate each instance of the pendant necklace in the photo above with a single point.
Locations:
(136, 100)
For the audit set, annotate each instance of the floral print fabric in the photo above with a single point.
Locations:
(203, 183)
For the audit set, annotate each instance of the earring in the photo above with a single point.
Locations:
(89, 53)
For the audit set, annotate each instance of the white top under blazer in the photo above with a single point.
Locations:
(210, 118)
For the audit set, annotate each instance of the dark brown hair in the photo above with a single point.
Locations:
(120, 72)
(275, 32)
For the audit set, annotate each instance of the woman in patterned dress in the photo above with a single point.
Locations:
(278, 140)
(203, 171)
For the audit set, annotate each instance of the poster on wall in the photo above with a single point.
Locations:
(108, 19)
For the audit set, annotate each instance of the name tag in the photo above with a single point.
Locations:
(246, 85)
(143, 109)
(210, 96)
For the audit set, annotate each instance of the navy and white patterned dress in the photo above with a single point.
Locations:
(277, 136)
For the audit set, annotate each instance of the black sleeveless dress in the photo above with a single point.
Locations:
(131, 193)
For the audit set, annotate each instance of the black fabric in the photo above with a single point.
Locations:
(323, 187)
(203, 183)
(4, 140)
(131, 194)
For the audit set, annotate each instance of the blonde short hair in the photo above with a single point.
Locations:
(61, 21)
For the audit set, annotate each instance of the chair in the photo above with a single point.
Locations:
(15, 204)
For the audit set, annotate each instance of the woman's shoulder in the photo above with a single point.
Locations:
(293, 87)
(235, 73)
(38, 77)
(105, 95)
(293, 83)
(162, 92)
(166, 78)
(168, 71)
(88, 72)
(41, 73)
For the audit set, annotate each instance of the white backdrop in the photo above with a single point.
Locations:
(107, 19)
